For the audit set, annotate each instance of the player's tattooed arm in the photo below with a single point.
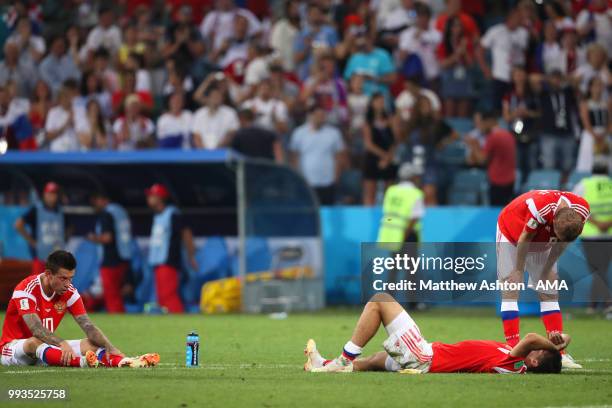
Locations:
(94, 334)
(39, 331)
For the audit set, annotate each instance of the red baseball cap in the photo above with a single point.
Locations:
(51, 187)
(158, 190)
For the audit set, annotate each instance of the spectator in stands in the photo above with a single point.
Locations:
(284, 32)
(318, 152)
(557, 13)
(520, 110)
(507, 43)
(135, 63)
(270, 113)
(405, 101)
(59, 65)
(11, 69)
(548, 53)
(174, 126)
(315, 35)
(572, 54)
(257, 68)
(15, 126)
(593, 24)
(43, 226)
(218, 25)
(596, 65)
(129, 88)
(60, 132)
(93, 88)
(326, 89)
(133, 130)
(401, 15)
(499, 156)
(596, 139)
(253, 140)
(469, 28)
(104, 70)
(235, 47)
(380, 134)
(181, 41)
(131, 44)
(357, 102)
(557, 124)
(93, 131)
(178, 81)
(213, 123)
(40, 104)
(31, 47)
(105, 34)
(425, 134)
(285, 87)
(456, 56)
(422, 40)
(374, 63)
(169, 233)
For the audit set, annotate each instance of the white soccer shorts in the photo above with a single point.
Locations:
(12, 353)
(406, 347)
(534, 263)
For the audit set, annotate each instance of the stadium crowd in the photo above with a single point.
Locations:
(343, 90)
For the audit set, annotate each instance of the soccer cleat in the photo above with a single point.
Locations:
(91, 359)
(144, 361)
(313, 357)
(337, 365)
(568, 362)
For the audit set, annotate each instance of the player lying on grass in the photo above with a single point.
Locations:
(406, 349)
(38, 304)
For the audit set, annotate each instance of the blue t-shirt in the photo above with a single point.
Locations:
(376, 63)
(325, 37)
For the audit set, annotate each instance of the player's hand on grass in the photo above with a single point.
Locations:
(67, 353)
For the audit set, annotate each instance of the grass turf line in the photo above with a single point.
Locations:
(256, 361)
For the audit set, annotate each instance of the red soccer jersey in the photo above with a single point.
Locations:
(475, 356)
(535, 210)
(28, 297)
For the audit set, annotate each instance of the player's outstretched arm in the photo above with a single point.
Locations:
(534, 341)
(95, 335)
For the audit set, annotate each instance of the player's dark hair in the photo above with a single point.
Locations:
(60, 259)
(549, 363)
(570, 222)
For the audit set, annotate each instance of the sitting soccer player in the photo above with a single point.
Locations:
(407, 350)
(38, 304)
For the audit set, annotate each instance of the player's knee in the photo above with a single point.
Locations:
(30, 345)
(382, 297)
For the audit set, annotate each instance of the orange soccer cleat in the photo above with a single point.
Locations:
(144, 361)
(91, 359)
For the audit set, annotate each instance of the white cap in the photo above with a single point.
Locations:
(407, 171)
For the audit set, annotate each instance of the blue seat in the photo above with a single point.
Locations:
(543, 180)
(463, 197)
(453, 154)
(574, 179)
(461, 125)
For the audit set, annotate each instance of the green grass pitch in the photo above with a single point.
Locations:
(256, 361)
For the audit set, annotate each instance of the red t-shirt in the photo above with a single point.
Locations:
(535, 211)
(28, 297)
(475, 356)
(500, 149)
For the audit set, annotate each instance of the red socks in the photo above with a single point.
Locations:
(550, 313)
(108, 360)
(511, 322)
(53, 356)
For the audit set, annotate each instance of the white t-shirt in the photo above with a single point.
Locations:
(220, 24)
(507, 49)
(175, 131)
(586, 72)
(404, 103)
(266, 110)
(256, 71)
(603, 26)
(424, 45)
(139, 130)
(212, 127)
(109, 38)
(552, 57)
(67, 141)
(143, 80)
(282, 38)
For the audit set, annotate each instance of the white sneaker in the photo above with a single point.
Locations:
(568, 362)
(337, 365)
(313, 357)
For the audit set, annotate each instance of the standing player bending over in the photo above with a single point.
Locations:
(526, 231)
(406, 349)
(36, 309)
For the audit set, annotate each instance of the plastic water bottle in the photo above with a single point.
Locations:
(193, 349)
